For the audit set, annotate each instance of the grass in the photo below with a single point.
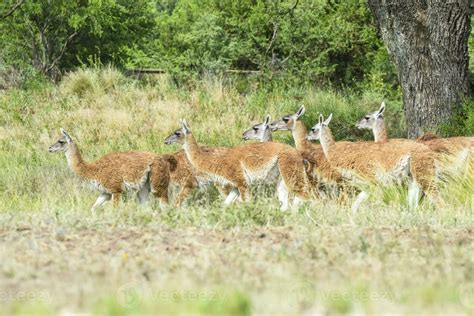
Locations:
(205, 258)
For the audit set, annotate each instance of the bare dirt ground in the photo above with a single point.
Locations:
(104, 266)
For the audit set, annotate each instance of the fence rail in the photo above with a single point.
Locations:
(140, 71)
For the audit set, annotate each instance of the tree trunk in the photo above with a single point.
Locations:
(427, 41)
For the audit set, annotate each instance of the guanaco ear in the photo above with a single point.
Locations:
(300, 112)
(267, 120)
(185, 126)
(326, 122)
(381, 110)
(321, 119)
(66, 135)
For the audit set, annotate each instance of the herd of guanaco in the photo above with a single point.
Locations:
(298, 172)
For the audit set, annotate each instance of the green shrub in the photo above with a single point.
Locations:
(110, 78)
(92, 81)
(316, 41)
(79, 82)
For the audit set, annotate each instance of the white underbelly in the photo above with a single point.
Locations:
(203, 180)
(135, 186)
(97, 186)
(266, 173)
(126, 185)
(218, 179)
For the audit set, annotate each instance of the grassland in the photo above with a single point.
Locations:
(205, 258)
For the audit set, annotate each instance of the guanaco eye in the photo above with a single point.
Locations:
(61, 141)
(286, 120)
(255, 129)
(367, 118)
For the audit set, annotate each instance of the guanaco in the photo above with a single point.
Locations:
(366, 158)
(239, 166)
(375, 121)
(117, 172)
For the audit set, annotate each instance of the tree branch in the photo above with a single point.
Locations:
(275, 30)
(61, 53)
(13, 9)
(274, 35)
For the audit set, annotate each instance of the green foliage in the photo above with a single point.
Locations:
(120, 30)
(317, 41)
(322, 42)
(55, 36)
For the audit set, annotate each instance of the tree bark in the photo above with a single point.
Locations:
(427, 40)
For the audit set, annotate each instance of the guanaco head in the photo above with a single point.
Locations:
(370, 119)
(260, 131)
(179, 136)
(287, 122)
(317, 129)
(62, 144)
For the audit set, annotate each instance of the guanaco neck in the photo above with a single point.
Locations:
(191, 148)
(326, 139)
(267, 135)
(299, 133)
(76, 163)
(380, 131)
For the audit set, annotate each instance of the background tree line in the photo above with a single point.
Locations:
(326, 43)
